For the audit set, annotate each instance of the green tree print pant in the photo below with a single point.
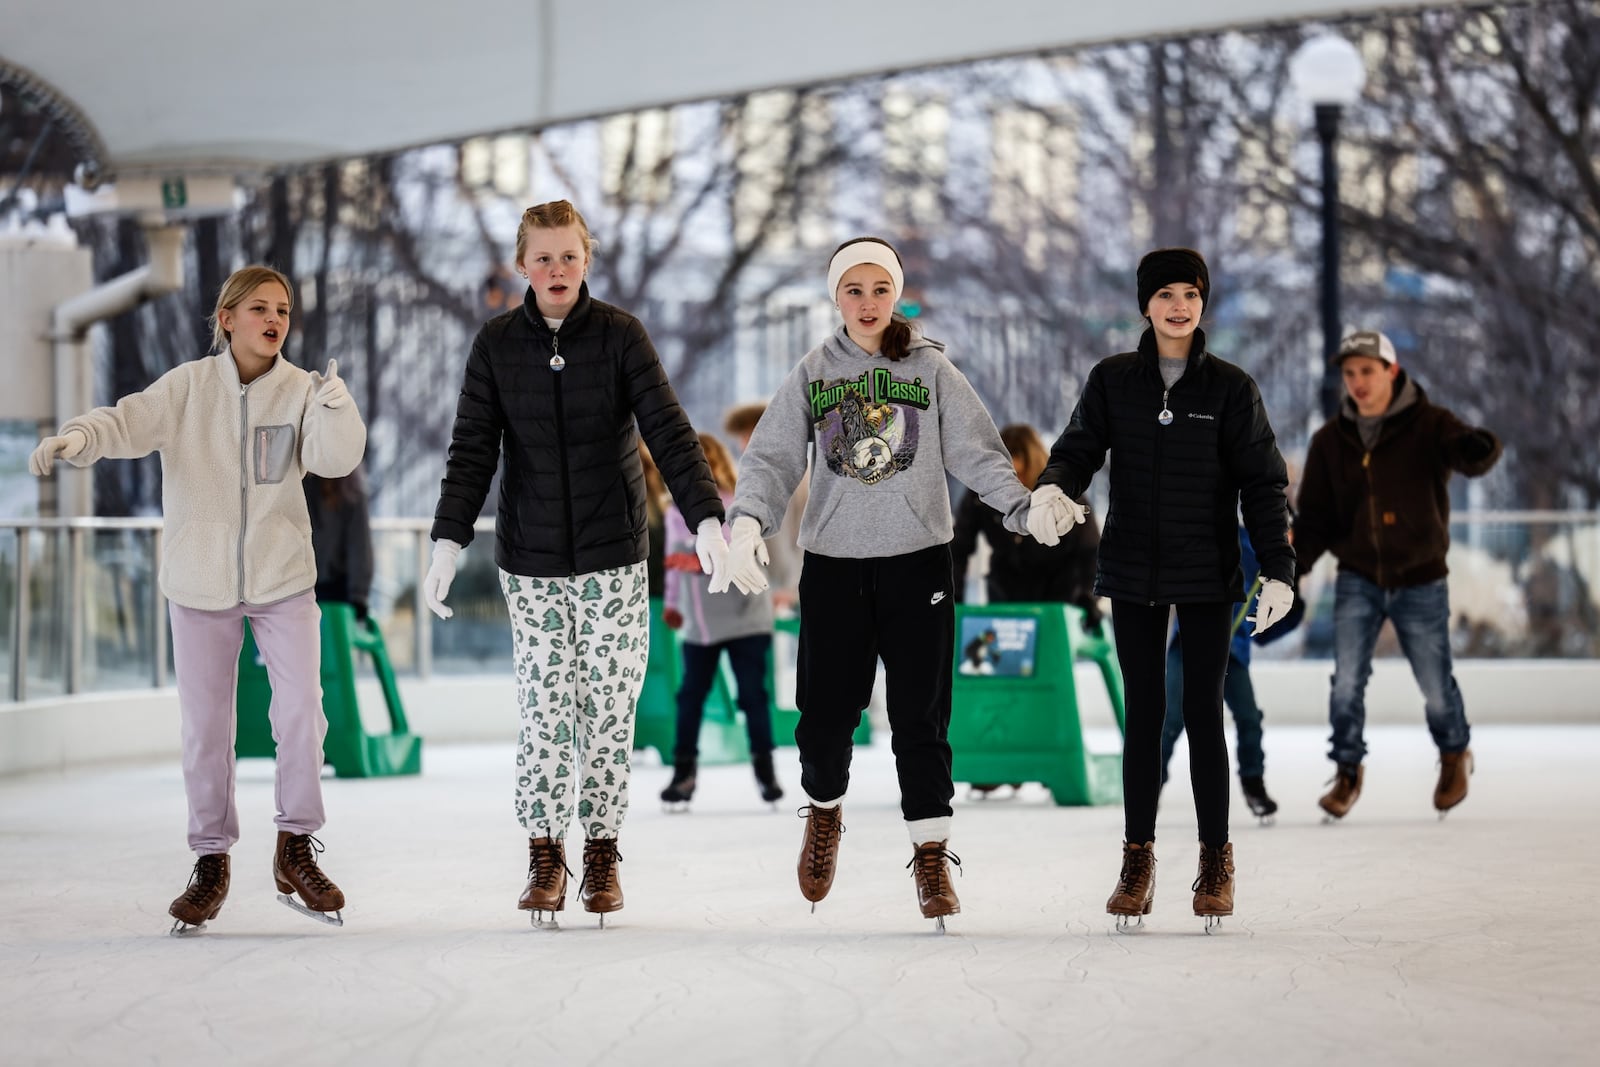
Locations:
(581, 645)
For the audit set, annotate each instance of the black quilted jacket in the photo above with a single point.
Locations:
(572, 497)
(1171, 535)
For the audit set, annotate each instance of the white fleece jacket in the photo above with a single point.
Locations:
(232, 459)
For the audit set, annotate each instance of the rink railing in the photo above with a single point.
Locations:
(1524, 584)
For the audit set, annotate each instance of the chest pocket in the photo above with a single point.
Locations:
(273, 453)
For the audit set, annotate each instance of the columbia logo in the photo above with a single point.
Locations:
(1198, 415)
(936, 598)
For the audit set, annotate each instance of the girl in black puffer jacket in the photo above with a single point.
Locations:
(556, 394)
(1190, 446)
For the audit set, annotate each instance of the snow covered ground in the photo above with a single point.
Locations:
(1391, 938)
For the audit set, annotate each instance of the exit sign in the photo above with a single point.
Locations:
(174, 193)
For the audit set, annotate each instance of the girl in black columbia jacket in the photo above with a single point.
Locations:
(1190, 448)
(556, 394)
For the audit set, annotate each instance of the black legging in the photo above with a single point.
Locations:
(1141, 631)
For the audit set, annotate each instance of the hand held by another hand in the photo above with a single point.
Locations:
(1272, 605)
(709, 545)
(745, 566)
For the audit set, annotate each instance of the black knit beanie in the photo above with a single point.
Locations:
(1166, 266)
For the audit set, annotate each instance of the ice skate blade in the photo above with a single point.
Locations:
(675, 807)
(1127, 924)
(938, 924)
(1267, 820)
(1328, 818)
(1213, 923)
(334, 919)
(183, 929)
(541, 923)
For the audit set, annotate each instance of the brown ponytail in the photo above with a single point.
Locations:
(896, 344)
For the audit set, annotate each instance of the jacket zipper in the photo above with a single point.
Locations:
(244, 480)
(1372, 512)
(1155, 532)
(561, 452)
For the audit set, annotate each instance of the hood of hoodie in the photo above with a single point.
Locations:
(839, 344)
(1406, 394)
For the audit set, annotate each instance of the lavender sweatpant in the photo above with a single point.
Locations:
(205, 653)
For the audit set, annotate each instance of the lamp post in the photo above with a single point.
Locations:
(1329, 72)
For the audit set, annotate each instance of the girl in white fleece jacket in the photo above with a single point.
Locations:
(237, 432)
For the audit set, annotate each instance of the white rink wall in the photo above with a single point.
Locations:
(53, 735)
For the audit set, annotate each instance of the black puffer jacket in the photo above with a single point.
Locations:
(1171, 536)
(572, 496)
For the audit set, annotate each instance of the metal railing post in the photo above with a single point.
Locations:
(158, 612)
(74, 585)
(20, 621)
(419, 607)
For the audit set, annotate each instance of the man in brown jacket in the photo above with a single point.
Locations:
(1376, 495)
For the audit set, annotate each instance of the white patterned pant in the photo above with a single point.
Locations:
(581, 647)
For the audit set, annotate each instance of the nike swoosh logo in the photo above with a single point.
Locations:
(936, 598)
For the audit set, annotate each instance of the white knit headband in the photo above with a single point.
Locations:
(853, 255)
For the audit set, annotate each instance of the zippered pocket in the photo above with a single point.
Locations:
(274, 453)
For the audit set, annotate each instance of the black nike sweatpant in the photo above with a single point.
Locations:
(852, 611)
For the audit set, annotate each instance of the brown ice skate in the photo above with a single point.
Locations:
(1454, 769)
(601, 890)
(546, 890)
(819, 850)
(930, 866)
(1135, 894)
(295, 870)
(1213, 888)
(202, 899)
(1346, 790)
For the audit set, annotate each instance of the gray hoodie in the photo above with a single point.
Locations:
(885, 433)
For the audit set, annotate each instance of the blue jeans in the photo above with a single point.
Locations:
(1421, 618)
(1238, 692)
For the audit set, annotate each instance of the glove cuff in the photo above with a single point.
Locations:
(446, 548)
(708, 527)
(747, 526)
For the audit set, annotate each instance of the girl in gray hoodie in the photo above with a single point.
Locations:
(888, 415)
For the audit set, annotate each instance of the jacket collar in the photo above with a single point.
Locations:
(230, 369)
(580, 310)
(1151, 358)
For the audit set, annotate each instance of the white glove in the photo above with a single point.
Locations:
(1048, 515)
(1068, 513)
(441, 572)
(745, 565)
(1273, 604)
(332, 393)
(709, 545)
(63, 446)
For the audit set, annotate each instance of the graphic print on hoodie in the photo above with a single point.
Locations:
(867, 428)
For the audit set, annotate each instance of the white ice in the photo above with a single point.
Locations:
(1391, 937)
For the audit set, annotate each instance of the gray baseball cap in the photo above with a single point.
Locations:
(1368, 343)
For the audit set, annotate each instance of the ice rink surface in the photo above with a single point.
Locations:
(1390, 938)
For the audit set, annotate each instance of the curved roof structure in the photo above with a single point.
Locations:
(196, 85)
